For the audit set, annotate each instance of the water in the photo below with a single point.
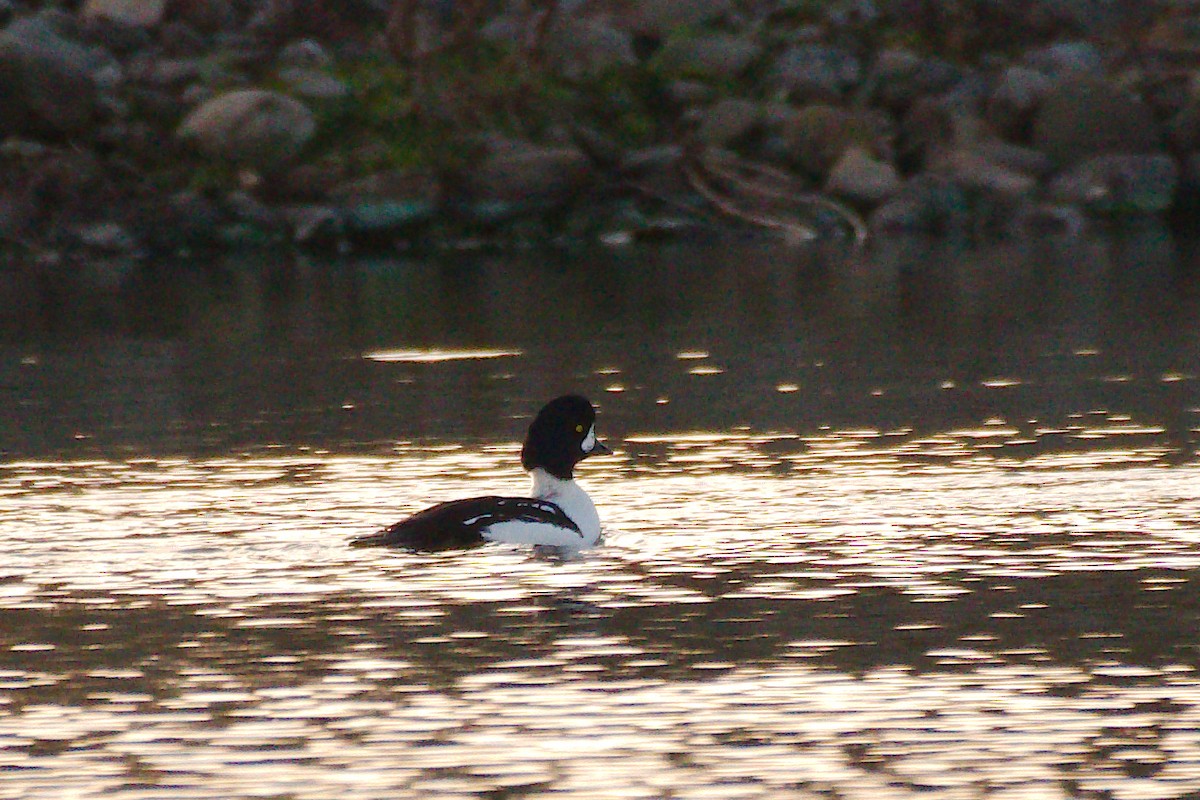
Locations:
(921, 524)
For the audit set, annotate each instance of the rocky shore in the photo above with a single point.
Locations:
(137, 127)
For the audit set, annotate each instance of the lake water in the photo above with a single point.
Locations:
(923, 522)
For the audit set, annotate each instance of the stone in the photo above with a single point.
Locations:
(134, 13)
(1085, 116)
(1063, 59)
(899, 77)
(313, 84)
(926, 204)
(728, 120)
(581, 48)
(973, 170)
(860, 177)
(1014, 97)
(251, 127)
(661, 17)
(520, 175)
(305, 53)
(48, 83)
(1120, 183)
(817, 135)
(816, 71)
(716, 56)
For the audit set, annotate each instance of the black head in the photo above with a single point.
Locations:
(562, 435)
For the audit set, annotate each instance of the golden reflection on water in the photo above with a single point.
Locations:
(999, 610)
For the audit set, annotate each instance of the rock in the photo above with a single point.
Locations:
(107, 236)
(517, 176)
(661, 17)
(860, 177)
(714, 57)
(1064, 59)
(817, 135)
(313, 84)
(816, 71)
(973, 170)
(728, 120)
(304, 53)
(899, 77)
(251, 127)
(1084, 116)
(134, 13)
(49, 84)
(926, 204)
(206, 16)
(1140, 184)
(581, 48)
(1014, 98)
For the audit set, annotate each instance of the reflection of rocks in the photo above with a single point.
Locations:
(251, 127)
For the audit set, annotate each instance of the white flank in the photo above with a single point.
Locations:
(568, 496)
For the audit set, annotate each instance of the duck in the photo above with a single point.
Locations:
(557, 514)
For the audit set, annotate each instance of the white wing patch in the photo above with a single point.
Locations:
(517, 531)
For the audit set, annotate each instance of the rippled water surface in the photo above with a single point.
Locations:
(871, 532)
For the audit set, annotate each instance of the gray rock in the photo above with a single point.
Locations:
(1120, 184)
(1064, 59)
(313, 84)
(817, 71)
(661, 17)
(858, 176)
(817, 135)
(521, 175)
(899, 77)
(135, 13)
(251, 127)
(926, 204)
(728, 120)
(107, 236)
(973, 170)
(305, 53)
(716, 56)
(1083, 117)
(48, 83)
(1014, 97)
(585, 48)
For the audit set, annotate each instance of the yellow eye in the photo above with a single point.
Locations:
(579, 429)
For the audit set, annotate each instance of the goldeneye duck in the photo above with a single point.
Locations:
(558, 514)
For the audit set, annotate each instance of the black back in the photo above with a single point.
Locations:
(556, 435)
(460, 524)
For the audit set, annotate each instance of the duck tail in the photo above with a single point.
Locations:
(372, 540)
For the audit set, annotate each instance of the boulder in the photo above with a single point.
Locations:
(816, 71)
(250, 127)
(860, 177)
(1085, 116)
(580, 48)
(717, 56)
(728, 120)
(49, 84)
(817, 135)
(134, 13)
(516, 176)
(1013, 99)
(661, 17)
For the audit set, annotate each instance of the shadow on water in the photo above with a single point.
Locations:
(914, 335)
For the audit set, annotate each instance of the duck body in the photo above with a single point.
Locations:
(558, 513)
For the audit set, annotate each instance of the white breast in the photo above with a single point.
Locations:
(568, 496)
